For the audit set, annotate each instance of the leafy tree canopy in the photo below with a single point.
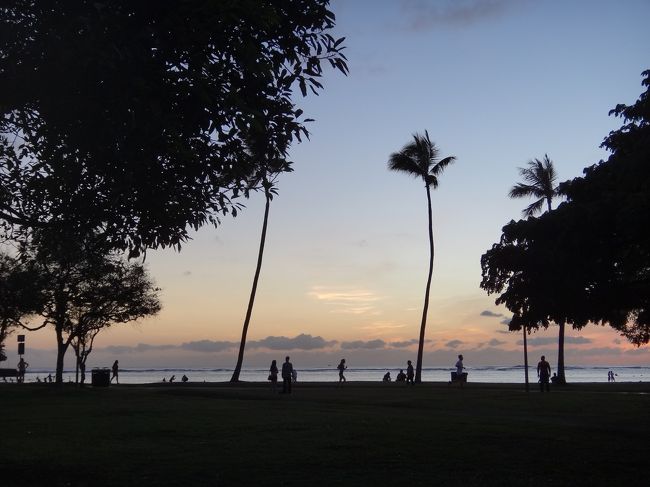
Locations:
(18, 296)
(589, 259)
(82, 288)
(130, 117)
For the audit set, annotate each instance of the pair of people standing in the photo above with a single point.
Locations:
(287, 375)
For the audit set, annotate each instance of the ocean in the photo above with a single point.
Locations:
(505, 374)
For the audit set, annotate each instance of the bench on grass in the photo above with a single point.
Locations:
(4, 373)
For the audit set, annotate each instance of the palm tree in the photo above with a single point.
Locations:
(264, 179)
(539, 182)
(419, 158)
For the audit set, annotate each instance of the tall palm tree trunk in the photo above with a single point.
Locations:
(560, 344)
(526, 360)
(560, 356)
(423, 325)
(251, 301)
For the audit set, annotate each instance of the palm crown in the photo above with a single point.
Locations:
(420, 158)
(539, 182)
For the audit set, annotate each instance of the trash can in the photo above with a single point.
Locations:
(462, 378)
(101, 377)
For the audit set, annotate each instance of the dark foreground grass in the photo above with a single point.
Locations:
(360, 434)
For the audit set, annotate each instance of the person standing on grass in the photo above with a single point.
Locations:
(116, 370)
(544, 373)
(342, 368)
(409, 373)
(287, 371)
(273, 375)
(22, 368)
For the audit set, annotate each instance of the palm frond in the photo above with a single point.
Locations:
(534, 208)
(539, 181)
(521, 190)
(420, 158)
(402, 161)
(441, 165)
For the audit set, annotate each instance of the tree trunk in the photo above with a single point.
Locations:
(251, 301)
(423, 325)
(61, 348)
(526, 360)
(560, 357)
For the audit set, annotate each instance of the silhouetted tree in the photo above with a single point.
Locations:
(587, 261)
(420, 159)
(18, 296)
(264, 180)
(130, 118)
(83, 288)
(539, 181)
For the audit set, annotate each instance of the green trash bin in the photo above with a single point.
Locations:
(101, 377)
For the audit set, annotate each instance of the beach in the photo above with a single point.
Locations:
(481, 374)
(323, 434)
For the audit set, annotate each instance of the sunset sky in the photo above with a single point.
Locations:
(496, 83)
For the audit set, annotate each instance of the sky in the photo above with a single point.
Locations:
(496, 83)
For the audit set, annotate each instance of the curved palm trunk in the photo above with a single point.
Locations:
(526, 360)
(251, 301)
(560, 345)
(423, 325)
(560, 356)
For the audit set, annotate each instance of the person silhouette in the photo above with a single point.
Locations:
(459, 370)
(273, 375)
(409, 373)
(544, 374)
(184, 378)
(22, 367)
(287, 373)
(401, 377)
(341, 366)
(116, 370)
(386, 377)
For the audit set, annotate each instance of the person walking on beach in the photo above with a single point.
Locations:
(287, 372)
(342, 368)
(273, 375)
(116, 370)
(409, 373)
(22, 368)
(544, 374)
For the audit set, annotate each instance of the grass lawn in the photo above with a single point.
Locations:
(360, 434)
